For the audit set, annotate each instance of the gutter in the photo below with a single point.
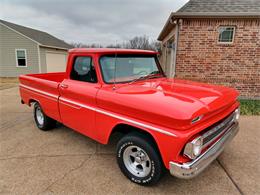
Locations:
(216, 14)
(54, 47)
(205, 15)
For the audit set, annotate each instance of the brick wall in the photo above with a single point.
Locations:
(200, 57)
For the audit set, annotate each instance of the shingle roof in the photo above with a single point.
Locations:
(214, 9)
(41, 37)
(237, 6)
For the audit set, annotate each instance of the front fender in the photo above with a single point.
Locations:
(168, 142)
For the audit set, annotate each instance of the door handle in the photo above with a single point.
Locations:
(64, 86)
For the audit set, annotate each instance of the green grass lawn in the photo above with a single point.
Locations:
(250, 107)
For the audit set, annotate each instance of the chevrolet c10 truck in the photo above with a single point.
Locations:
(163, 123)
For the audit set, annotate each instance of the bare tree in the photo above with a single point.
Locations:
(141, 42)
(82, 45)
(155, 45)
(115, 45)
(138, 42)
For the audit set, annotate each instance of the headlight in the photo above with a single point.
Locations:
(193, 148)
(237, 114)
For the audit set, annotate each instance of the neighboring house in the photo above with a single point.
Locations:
(24, 50)
(215, 41)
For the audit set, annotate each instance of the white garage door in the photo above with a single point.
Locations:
(56, 62)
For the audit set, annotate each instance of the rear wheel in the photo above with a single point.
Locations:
(42, 121)
(139, 160)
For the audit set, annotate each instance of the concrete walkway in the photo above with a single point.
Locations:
(64, 162)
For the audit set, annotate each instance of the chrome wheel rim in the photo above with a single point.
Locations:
(137, 161)
(39, 116)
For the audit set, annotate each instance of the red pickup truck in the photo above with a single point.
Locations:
(164, 123)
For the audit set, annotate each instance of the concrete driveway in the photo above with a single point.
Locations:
(64, 162)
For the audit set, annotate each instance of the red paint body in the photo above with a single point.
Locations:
(162, 107)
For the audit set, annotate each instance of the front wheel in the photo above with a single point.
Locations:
(139, 160)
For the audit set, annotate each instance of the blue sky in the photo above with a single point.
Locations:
(91, 21)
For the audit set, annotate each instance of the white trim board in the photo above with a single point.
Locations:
(39, 59)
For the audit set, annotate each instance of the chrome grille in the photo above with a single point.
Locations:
(212, 134)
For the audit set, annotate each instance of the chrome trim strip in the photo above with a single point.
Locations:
(191, 169)
(117, 116)
(39, 91)
(65, 100)
(136, 123)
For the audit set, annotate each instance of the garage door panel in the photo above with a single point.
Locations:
(56, 62)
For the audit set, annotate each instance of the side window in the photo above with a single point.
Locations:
(21, 58)
(226, 34)
(83, 70)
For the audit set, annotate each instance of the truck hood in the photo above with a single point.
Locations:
(167, 100)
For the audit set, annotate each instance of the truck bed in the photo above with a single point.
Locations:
(43, 88)
(55, 76)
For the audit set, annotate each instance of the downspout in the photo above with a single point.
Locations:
(175, 22)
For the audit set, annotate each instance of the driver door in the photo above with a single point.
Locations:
(78, 96)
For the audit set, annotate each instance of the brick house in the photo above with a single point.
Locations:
(215, 41)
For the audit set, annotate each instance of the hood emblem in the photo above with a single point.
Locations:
(196, 119)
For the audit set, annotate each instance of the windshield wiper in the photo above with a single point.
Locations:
(153, 74)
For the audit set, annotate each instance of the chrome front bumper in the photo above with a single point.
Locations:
(191, 169)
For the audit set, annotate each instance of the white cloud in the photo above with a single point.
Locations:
(92, 21)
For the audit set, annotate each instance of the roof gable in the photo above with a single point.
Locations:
(226, 6)
(43, 38)
(214, 9)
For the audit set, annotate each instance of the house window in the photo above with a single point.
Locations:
(21, 60)
(226, 34)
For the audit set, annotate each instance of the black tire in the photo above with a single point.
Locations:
(128, 142)
(47, 123)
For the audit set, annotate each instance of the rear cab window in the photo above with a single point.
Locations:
(83, 69)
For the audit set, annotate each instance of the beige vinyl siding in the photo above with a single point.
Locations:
(43, 55)
(10, 41)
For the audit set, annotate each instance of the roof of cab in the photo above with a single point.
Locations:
(111, 50)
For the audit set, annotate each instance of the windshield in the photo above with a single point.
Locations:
(128, 68)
